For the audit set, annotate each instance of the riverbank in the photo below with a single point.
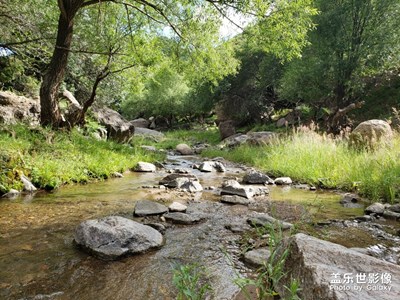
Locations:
(55, 158)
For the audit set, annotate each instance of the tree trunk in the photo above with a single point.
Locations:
(50, 113)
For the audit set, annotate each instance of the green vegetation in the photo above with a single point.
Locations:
(190, 280)
(54, 158)
(325, 161)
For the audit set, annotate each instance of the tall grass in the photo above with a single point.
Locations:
(325, 161)
(52, 159)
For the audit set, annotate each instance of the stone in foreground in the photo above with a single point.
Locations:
(147, 208)
(114, 237)
(316, 264)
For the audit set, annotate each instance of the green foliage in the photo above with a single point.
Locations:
(52, 159)
(190, 280)
(321, 160)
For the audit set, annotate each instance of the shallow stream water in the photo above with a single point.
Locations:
(39, 261)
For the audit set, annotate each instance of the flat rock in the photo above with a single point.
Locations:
(146, 208)
(258, 257)
(318, 265)
(283, 180)
(182, 218)
(145, 167)
(232, 187)
(114, 237)
(395, 208)
(263, 219)
(388, 214)
(375, 208)
(11, 194)
(234, 199)
(177, 207)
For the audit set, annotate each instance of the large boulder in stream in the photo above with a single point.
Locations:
(148, 208)
(330, 271)
(114, 237)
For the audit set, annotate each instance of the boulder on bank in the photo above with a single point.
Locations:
(149, 133)
(371, 133)
(14, 109)
(318, 264)
(141, 122)
(118, 129)
(145, 167)
(184, 149)
(114, 237)
(226, 129)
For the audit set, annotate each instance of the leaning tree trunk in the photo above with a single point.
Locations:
(50, 113)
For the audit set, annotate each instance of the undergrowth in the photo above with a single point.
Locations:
(54, 158)
(324, 161)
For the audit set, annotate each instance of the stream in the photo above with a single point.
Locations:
(38, 259)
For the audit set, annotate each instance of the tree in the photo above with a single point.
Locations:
(354, 40)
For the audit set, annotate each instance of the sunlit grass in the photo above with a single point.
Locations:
(52, 159)
(324, 161)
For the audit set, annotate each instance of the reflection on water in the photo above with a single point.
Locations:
(38, 258)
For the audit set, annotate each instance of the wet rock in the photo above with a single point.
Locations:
(114, 237)
(177, 180)
(177, 207)
(206, 166)
(375, 208)
(184, 149)
(258, 257)
(283, 180)
(209, 166)
(388, 214)
(256, 177)
(350, 200)
(182, 218)
(263, 219)
(146, 208)
(192, 186)
(145, 167)
(117, 175)
(395, 208)
(316, 264)
(28, 186)
(219, 166)
(232, 187)
(234, 199)
(11, 194)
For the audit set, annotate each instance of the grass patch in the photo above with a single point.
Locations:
(190, 137)
(325, 161)
(52, 159)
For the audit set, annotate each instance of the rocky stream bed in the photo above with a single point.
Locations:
(40, 260)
